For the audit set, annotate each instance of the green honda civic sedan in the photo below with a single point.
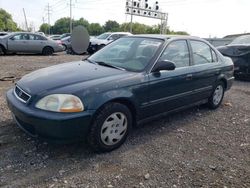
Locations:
(128, 82)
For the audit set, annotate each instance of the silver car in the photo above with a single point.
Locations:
(26, 42)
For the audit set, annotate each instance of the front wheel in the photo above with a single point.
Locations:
(110, 127)
(217, 96)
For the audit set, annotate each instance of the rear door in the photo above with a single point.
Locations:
(171, 89)
(205, 63)
(36, 43)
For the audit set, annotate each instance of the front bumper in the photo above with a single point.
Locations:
(49, 125)
(230, 83)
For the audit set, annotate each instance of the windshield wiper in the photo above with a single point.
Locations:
(108, 65)
(87, 59)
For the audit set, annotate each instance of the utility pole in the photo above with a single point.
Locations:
(131, 19)
(70, 12)
(48, 8)
(43, 20)
(26, 23)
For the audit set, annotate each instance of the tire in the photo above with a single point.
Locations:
(2, 50)
(110, 128)
(217, 96)
(48, 50)
(64, 47)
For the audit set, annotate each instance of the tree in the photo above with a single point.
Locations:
(44, 28)
(81, 22)
(111, 26)
(95, 29)
(6, 21)
(61, 26)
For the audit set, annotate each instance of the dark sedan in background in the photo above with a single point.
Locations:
(239, 52)
(132, 80)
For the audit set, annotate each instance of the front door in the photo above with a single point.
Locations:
(18, 43)
(171, 89)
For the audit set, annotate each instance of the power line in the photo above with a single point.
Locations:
(48, 10)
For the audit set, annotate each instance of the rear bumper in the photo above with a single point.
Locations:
(58, 48)
(49, 125)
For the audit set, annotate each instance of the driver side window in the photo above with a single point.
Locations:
(178, 53)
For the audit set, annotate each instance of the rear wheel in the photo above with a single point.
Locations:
(110, 127)
(48, 50)
(217, 96)
(2, 50)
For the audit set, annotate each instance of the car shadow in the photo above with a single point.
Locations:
(30, 154)
(20, 54)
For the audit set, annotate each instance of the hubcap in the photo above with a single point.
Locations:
(114, 128)
(218, 94)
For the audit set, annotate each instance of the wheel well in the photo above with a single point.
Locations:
(48, 47)
(125, 102)
(3, 47)
(224, 82)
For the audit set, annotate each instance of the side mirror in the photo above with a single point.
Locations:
(164, 65)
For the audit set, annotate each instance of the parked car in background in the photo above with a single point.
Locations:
(25, 42)
(40, 33)
(3, 33)
(103, 96)
(239, 51)
(64, 35)
(66, 42)
(55, 37)
(102, 40)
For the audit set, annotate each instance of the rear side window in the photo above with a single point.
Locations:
(202, 53)
(214, 55)
(178, 53)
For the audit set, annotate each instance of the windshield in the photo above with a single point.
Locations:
(103, 36)
(132, 54)
(242, 40)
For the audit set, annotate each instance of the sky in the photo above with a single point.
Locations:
(203, 18)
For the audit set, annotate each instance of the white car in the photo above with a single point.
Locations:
(102, 40)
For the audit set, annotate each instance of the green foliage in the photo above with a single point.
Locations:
(62, 26)
(6, 21)
(44, 28)
(95, 29)
(81, 22)
(112, 26)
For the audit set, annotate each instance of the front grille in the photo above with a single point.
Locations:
(21, 95)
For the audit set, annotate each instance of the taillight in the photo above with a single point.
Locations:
(59, 42)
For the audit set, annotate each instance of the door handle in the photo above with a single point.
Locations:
(189, 77)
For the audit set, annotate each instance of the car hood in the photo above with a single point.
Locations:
(63, 75)
(98, 41)
(234, 50)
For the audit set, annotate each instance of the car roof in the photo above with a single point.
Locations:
(127, 33)
(166, 37)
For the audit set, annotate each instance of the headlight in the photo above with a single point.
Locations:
(60, 103)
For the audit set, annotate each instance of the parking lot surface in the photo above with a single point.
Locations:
(197, 147)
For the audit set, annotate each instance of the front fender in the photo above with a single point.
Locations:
(120, 94)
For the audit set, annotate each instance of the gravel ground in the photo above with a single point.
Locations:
(197, 147)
